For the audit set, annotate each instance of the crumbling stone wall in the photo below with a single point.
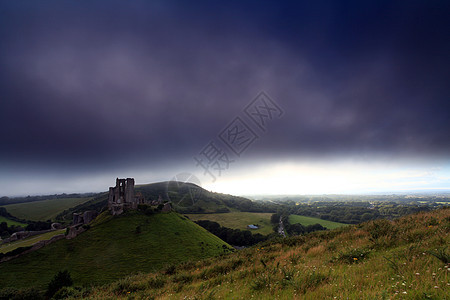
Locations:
(84, 218)
(122, 197)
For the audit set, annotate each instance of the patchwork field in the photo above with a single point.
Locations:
(29, 241)
(305, 221)
(238, 220)
(43, 210)
(11, 222)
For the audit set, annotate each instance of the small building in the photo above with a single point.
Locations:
(252, 226)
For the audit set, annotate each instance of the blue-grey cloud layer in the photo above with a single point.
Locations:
(83, 85)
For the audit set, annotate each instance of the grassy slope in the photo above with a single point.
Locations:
(375, 260)
(238, 220)
(11, 222)
(305, 221)
(42, 210)
(112, 249)
(29, 241)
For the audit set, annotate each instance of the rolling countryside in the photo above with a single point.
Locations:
(43, 210)
(305, 221)
(238, 220)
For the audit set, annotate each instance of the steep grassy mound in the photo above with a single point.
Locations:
(113, 248)
(403, 259)
(43, 210)
(305, 221)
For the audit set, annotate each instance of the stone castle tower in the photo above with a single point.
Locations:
(121, 197)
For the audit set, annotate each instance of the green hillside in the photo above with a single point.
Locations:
(113, 248)
(43, 210)
(305, 221)
(407, 258)
(190, 198)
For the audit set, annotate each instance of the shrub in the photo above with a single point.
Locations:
(311, 281)
(147, 209)
(127, 285)
(170, 270)
(441, 254)
(74, 292)
(156, 283)
(216, 271)
(380, 228)
(235, 263)
(182, 278)
(138, 229)
(60, 280)
(353, 256)
(261, 282)
(288, 274)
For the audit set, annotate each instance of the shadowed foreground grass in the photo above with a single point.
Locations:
(402, 259)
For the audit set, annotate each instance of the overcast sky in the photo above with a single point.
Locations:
(250, 96)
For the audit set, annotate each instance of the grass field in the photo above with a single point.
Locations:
(43, 210)
(400, 259)
(11, 222)
(238, 220)
(115, 247)
(29, 241)
(305, 221)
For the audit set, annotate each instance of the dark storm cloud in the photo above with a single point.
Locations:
(84, 84)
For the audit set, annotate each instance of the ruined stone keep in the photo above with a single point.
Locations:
(121, 197)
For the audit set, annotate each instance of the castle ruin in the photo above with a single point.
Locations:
(122, 197)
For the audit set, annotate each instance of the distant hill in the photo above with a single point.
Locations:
(191, 198)
(16, 200)
(115, 247)
(185, 197)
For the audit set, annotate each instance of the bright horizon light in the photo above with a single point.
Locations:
(300, 178)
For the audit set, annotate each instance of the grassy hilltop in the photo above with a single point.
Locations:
(402, 259)
(115, 247)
